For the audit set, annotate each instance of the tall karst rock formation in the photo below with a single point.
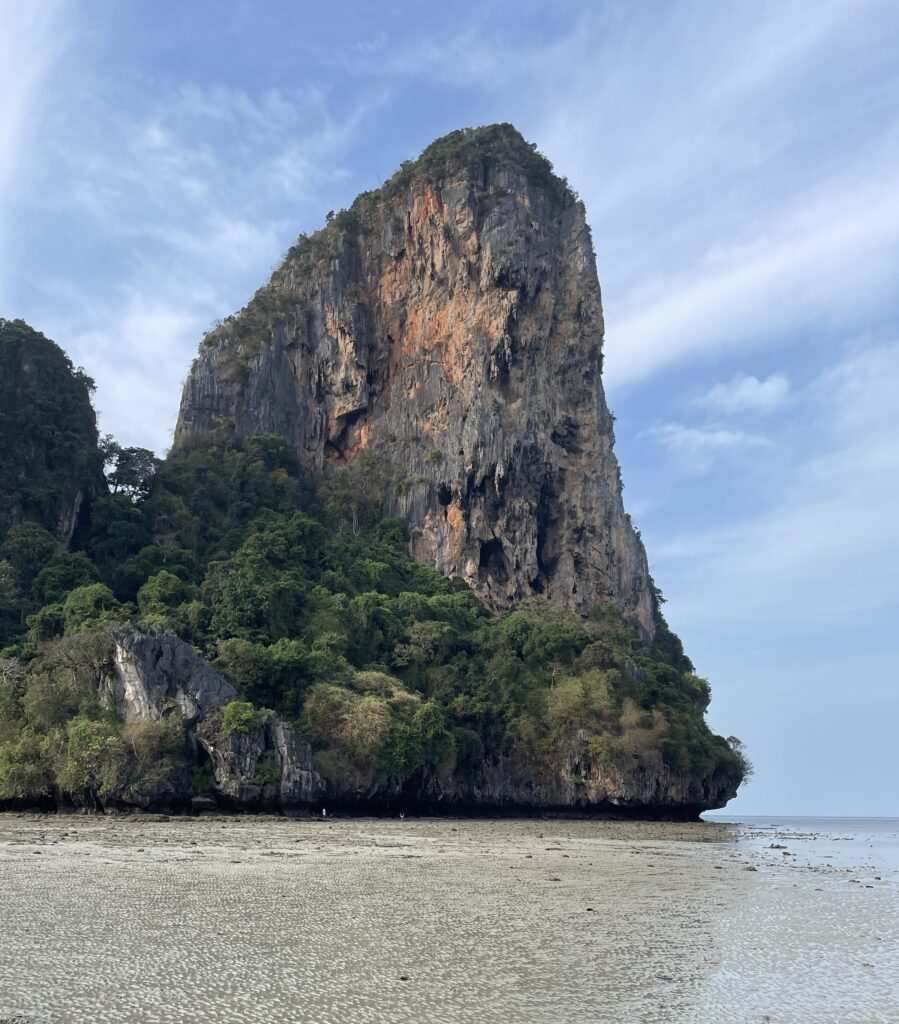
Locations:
(450, 323)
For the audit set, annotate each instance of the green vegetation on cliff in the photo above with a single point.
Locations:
(499, 145)
(49, 449)
(51, 471)
(304, 595)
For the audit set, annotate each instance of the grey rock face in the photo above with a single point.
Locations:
(300, 783)
(452, 324)
(237, 758)
(154, 672)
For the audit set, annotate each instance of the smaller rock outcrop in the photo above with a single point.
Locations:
(153, 673)
(266, 764)
(262, 763)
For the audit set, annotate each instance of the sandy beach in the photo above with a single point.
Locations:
(269, 919)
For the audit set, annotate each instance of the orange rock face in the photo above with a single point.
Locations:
(452, 322)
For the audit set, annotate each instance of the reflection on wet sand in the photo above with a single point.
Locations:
(268, 919)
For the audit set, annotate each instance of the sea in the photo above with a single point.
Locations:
(266, 919)
(828, 839)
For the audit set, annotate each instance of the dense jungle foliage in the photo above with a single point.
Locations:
(48, 432)
(302, 593)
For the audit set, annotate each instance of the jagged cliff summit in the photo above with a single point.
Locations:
(450, 323)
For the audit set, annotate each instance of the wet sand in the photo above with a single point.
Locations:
(268, 919)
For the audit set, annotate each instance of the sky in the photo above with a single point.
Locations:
(739, 165)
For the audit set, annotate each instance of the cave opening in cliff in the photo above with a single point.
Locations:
(343, 443)
(492, 561)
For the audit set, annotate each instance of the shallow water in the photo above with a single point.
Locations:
(267, 919)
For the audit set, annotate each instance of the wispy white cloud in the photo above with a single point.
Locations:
(472, 55)
(827, 265)
(32, 38)
(697, 448)
(746, 393)
(188, 227)
(271, 110)
(824, 550)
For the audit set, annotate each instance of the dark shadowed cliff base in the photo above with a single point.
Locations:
(376, 807)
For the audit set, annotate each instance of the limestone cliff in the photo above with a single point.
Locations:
(451, 324)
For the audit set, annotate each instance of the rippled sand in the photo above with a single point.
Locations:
(268, 920)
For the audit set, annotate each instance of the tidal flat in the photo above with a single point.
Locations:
(336, 921)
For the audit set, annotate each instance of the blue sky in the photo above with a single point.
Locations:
(739, 167)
